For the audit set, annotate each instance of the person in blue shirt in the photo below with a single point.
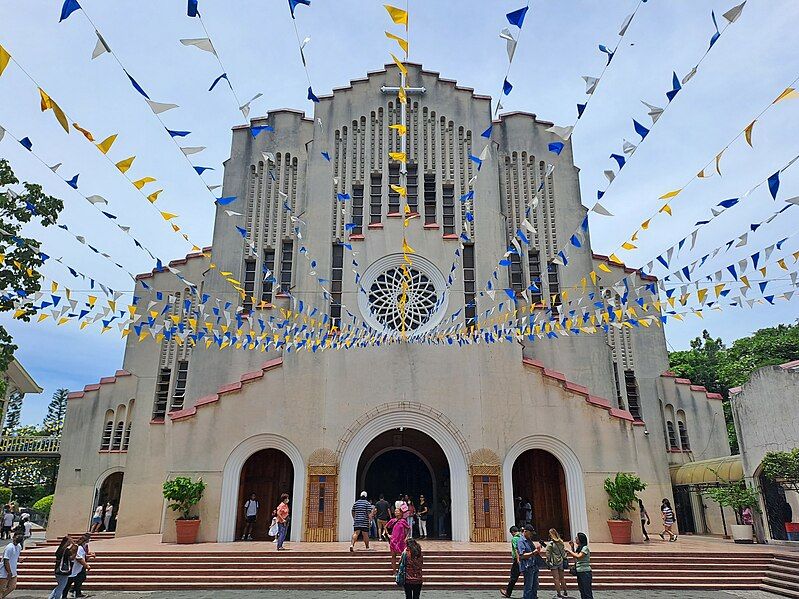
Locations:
(528, 563)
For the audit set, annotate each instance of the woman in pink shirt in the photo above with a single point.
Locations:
(282, 514)
(399, 528)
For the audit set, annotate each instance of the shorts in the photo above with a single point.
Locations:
(381, 522)
(97, 520)
(251, 519)
(361, 529)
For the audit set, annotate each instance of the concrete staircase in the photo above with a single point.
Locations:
(175, 569)
(96, 536)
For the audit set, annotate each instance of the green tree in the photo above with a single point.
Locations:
(13, 414)
(20, 258)
(56, 411)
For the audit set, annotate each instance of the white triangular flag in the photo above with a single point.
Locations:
(233, 213)
(245, 108)
(269, 157)
(689, 76)
(189, 150)
(610, 175)
(735, 12)
(203, 43)
(628, 148)
(213, 187)
(159, 107)
(693, 240)
(484, 153)
(2, 133)
(97, 199)
(600, 209)
(101, 47)
(505, 34)
(716, 212)
(793, 200)
(305, 42)
(769, 250)
(55, 167)
(742, 240)
(654, 111)
(563, 132)
(626, 24)
(590, 84)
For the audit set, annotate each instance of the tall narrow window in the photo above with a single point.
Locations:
(161, 393)
(393, 196)
(336, 276)
(631, 386)
(118, 432)
(534, 262)
(126, 439)
(179, 392)
(268, 276)
(429, 199)
(448, 209)
(469, 278)
(672, 436)
(413, 188)
(375, 198)
(554, 286)
(286, 260)
(357, 210)
(618, 386)
(108, 431)
(685, 444)
(515, 273)
(249, 283)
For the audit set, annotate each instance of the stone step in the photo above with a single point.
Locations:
(767, 586)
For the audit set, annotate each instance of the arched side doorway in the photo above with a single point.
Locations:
(108, 490)
(268, 473)
(391, 418)
(576, 509)
(230, 507)
(406, 461)
(538, 478)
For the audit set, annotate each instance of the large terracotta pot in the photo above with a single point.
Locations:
(187, 531)
(621, 531)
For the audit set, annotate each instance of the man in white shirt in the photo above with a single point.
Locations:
(250, 516)
(80, 568)
(8, 522)
(8, 573)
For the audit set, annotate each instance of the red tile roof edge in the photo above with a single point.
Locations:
(233, 387)
(683, 381)
(577, 389)
(175, 262)
(626, 268)
(106, 380)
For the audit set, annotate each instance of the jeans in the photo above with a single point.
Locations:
(61, 582)
(281, 533)
(413, 590)
(75, 583)
(584, 585)
(514, 576)
(530, 583)
(422, 528)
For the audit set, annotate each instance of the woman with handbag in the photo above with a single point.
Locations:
(582, 565)
(398, 526)
(557, 562)
(409, 575)
(63, 566)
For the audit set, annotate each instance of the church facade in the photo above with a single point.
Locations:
(472, 425)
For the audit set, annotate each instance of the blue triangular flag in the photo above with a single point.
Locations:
(201, 169)
(136, 86)
(26, 143)
(755, 259)
(192, 8)
(506, 87)
(178, 133)
(556, 147)
(73, 182)
(675, 87)
(311, 95)
(728, 203)
(225, 201)
(326, 156)
(293, 4)
(640, 129)
(218, 79)
(606, 50)
(256, 130)
(716, 35)
(69, 7)
(487, 132)
(774, 184)
(242, 231)
(516, 17)
(620, 159)
(580, 109)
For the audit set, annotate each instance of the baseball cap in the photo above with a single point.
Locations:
(363, 493)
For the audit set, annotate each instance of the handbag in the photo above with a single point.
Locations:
(573, 570)
(400, 577)
(273, 528)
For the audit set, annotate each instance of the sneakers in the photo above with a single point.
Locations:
(504, 593)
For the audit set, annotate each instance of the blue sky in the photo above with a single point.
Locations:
(753, 61)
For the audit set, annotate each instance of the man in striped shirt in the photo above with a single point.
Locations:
(362, 513)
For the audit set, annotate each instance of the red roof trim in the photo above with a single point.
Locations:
(106, 380)
(700, 388)
(577, 389)
(234, 387)
(176, 262)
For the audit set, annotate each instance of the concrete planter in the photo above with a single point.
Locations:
(621, 531)
(743, 533)
(187, 531)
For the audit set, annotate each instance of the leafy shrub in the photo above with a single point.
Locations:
(44, 505)
(184, 495)
(5, 495)
(782, 465)
(621, 492)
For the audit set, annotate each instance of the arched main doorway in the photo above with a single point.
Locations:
(109, 491)
(406, 461)
(538, 478)
(268, 473)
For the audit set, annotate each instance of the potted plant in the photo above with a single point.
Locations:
(783, 468)
(738, 496)
(621, 492)
(184, 494)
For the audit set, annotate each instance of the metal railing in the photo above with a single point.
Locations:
(22, 446)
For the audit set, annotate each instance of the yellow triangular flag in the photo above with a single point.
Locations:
(613, 258)
(719, 288)
(718, 161)
(402, 96)
(592, 274)
(400, 129)
(745, 281)
(781, 262)
(403, 69)
(406, 248)
(48, 103)
(398, 156)
(748, 133)
(666, 208)
(403, 43)
(154, 196)
(702, 175)
(168, 215)
(4, 58)
(86, 133)
(670, 194)
(142, 182)
(628, 246)
(106, 144)
(788, 93)
(124, 165)
(645, 224)
(602, 266)
(399, 16)
(700, 294)
(403, 192)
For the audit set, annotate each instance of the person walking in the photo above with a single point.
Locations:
(282, 515)
(414, 561)
(668, 520)
(514, 568)
(80, 568)
(8, 522)
(109, 511)
(527, 513)
(63, 566)
(398, 526)
(250, 516)
(582, 563)
(383, 515)
(362, 512)
(97, 519)
(556, 556)
(422, 514)
(411, 516)
(8, 573)
(644, 519)
(528, 562)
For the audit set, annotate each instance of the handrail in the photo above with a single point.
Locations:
(29, 445)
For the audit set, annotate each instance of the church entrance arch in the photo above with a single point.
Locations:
(268, 473)
(109, 490)
(406, 416)
(405, 461)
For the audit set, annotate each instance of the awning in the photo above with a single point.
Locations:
(709, 472)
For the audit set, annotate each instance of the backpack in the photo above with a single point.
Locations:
(64, 565)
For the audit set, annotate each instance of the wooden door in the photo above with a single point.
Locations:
(267, 473)
(538, 478)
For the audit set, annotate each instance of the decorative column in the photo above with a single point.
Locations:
(488, 524)
(322, 494)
